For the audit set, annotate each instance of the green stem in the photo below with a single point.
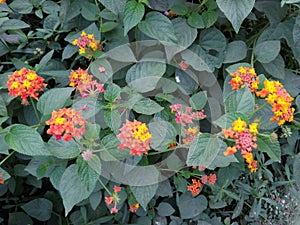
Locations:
(7, 157)
(35, 111)
(103, 185)
(4, 132)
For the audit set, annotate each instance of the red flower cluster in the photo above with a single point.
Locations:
(1, 181)
(84, 83)
(66, 123)
(186, 117)
(25, 83)
(245, 141)
(195, 188)
(244, 76)
(113, 199)
(135, 136)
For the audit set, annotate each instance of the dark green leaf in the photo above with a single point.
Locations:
(235, 51)
(112, 92)
(69, 51)
(143, 194)
(113, 119)
(236, 11)
(147, 106)
(209, 18)
(62, 149)
(275, 67)
(116, 6)
(39, 209)
(296, 38)
(165, 209)
(179, 9)
(196, 20)
(296, 169)
(21, 6)
(203, 150)
(3, 110)
(134, 12)
(19, 218)
(25, 140)
(88, 176)
(189, 206)
(13, 24)
(198, 100)
(90, 11)
(271, 147)
(267, 51)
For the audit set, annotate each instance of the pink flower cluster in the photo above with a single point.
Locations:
(113, 199)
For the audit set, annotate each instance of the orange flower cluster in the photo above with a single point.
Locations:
(244, 76)
(2, 1)
(113, 199)
(281, 101)
(195, 188)
(87, 44)
(245, 141)
(66, 123)
(135, 136)
(134, 207)
(1, 181)
(84, 83)
(25, 83)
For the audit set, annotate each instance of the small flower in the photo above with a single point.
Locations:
(66, 123)
(117, 189)
(239, 125)
(114, 210)
(90, 89)
(101, 69)
(113, 199)
(1, 180)
(135, 136)
(183, 65)
(134, 207)
(79, 77)
(84, 108)
(87, 155)
(253, 128)
(25, 83)
(201, 168)
(204, 179)
(212, 178)
(195, 187)
(109, 200)
(230, 151)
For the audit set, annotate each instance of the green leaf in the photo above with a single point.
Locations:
(163, 134)
(296, 38)
(203, 150)
(236, 11)
(39, 209)
(5, 175)
(62, 149)
(72, 189)
(147, 106)
(198, 100)
(69, 51)
(90, 11)
(271, 147)
(165, 209)
(19, 218)
(159, 27)
(88, 176)
(296, 169)
(92, 131)
(134, 12)
(21, 6)
(196, 20)
(226, 120)
(108, 26)
(240, 101)
(235, 51)
(267, 51)
(95, 164)
(189, 206)
(25, 140)
(276, 67)
(13, 24)
(102, 76)
(116, 6)
(45, 60)
(209, 18)
(143, 194)
(3, 110)
(53, 99)
(113, 119)
(112, 92)
(179, 9)
(144, 76)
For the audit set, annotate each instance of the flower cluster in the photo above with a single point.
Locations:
(135, 136)
(84, 83)
(244, 76)
(195, 188)
(245, 141)
(66, 123)
(134, 207)
(185, 118)
(113, 199)
(1, 180)
(2, 1)
(87, 44)
(279, 98)
(25, 83)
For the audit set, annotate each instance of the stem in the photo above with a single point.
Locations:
(4, 132)
(7, 157)
(35, 111)
(259, 108)
(103, 185)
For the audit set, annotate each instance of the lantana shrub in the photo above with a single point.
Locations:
(149, 112)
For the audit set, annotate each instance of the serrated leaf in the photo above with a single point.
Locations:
(272, 148)
(159, 27)
(147, 106)
(163, 133)
(134, 12)
(240, 101)
(72, 189)
(236, 11)
(88, 176)
(53, 99)
(198, 100)
(39, 209)
(62, 149)
(113, 119)
(25, 140)
(267, 51)
(112, 92)
(203, 150)
(189, 206)
(143, 194)
(95, 164)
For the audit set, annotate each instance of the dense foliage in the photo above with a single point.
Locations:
(149, 112)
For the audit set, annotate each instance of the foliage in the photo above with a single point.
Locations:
(145, 111)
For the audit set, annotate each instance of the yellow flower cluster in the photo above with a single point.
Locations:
(244, 76)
